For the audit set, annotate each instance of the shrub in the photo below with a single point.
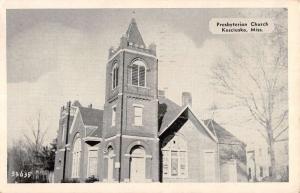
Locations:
(91, 179)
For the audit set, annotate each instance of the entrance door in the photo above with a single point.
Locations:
(137, 165)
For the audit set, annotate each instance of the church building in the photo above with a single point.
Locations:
(141, 135)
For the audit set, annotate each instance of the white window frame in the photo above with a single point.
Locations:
(113, 115)
(168, 149)
(89, 156)
(138, 106)
(76, 156)
(113, 83)
(63, 133)
(140, 63)
(214, 153)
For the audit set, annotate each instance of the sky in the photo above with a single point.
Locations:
(54, 56)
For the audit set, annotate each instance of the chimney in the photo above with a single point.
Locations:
(186, 98)
(90, 106)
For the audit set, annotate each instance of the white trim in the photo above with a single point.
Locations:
(110, 138)
(132, 52)
(115, 65)
(107, 156)
(138, 137)
(74, 119)
(131, 137)
(138, 105)
(145, 87)
(76, 157)
(146, 156)
(135, 107)
(92, 139)
(200, 121)
(138, 73)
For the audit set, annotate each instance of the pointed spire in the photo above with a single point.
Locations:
(133, 34)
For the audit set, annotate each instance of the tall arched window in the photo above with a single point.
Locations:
(115, 77)
(76, 157)
(174, 154)
(110, 164)
(138, 73)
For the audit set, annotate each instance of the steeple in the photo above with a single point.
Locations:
(133, 34)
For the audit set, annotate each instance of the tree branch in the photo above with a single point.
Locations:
(278, 135)
(285, 113)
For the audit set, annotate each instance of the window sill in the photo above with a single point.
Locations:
(137, 125)
(175, 177)
(144, 87)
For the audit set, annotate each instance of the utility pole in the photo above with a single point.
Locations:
(67, 136)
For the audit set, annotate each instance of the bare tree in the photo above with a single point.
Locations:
(30, 154)
(255, 74)
(35, 142)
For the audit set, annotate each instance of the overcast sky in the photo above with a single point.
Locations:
(58, 55)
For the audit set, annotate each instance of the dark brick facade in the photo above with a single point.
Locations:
(116, 144)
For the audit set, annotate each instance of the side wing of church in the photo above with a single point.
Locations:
(140, 135)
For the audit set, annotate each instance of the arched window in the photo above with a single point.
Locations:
(76, 157)
(110, 164)
(115, 77)
(138, 73)
(174, 154)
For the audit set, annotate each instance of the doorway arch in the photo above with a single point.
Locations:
(137, 164)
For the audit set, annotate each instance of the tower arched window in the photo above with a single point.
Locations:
(174, 154)
(138, 73)
(76, 157)
(115, 77)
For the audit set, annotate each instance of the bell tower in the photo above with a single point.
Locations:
(130, 110)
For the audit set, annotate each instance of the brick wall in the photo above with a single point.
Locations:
(198, 142)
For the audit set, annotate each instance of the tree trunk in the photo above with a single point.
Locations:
(272, 158)
(271, 150)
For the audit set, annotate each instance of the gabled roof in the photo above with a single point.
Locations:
(133, 34)
(93, 122)
(222, 134)
(91, 116)
(169, 112)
